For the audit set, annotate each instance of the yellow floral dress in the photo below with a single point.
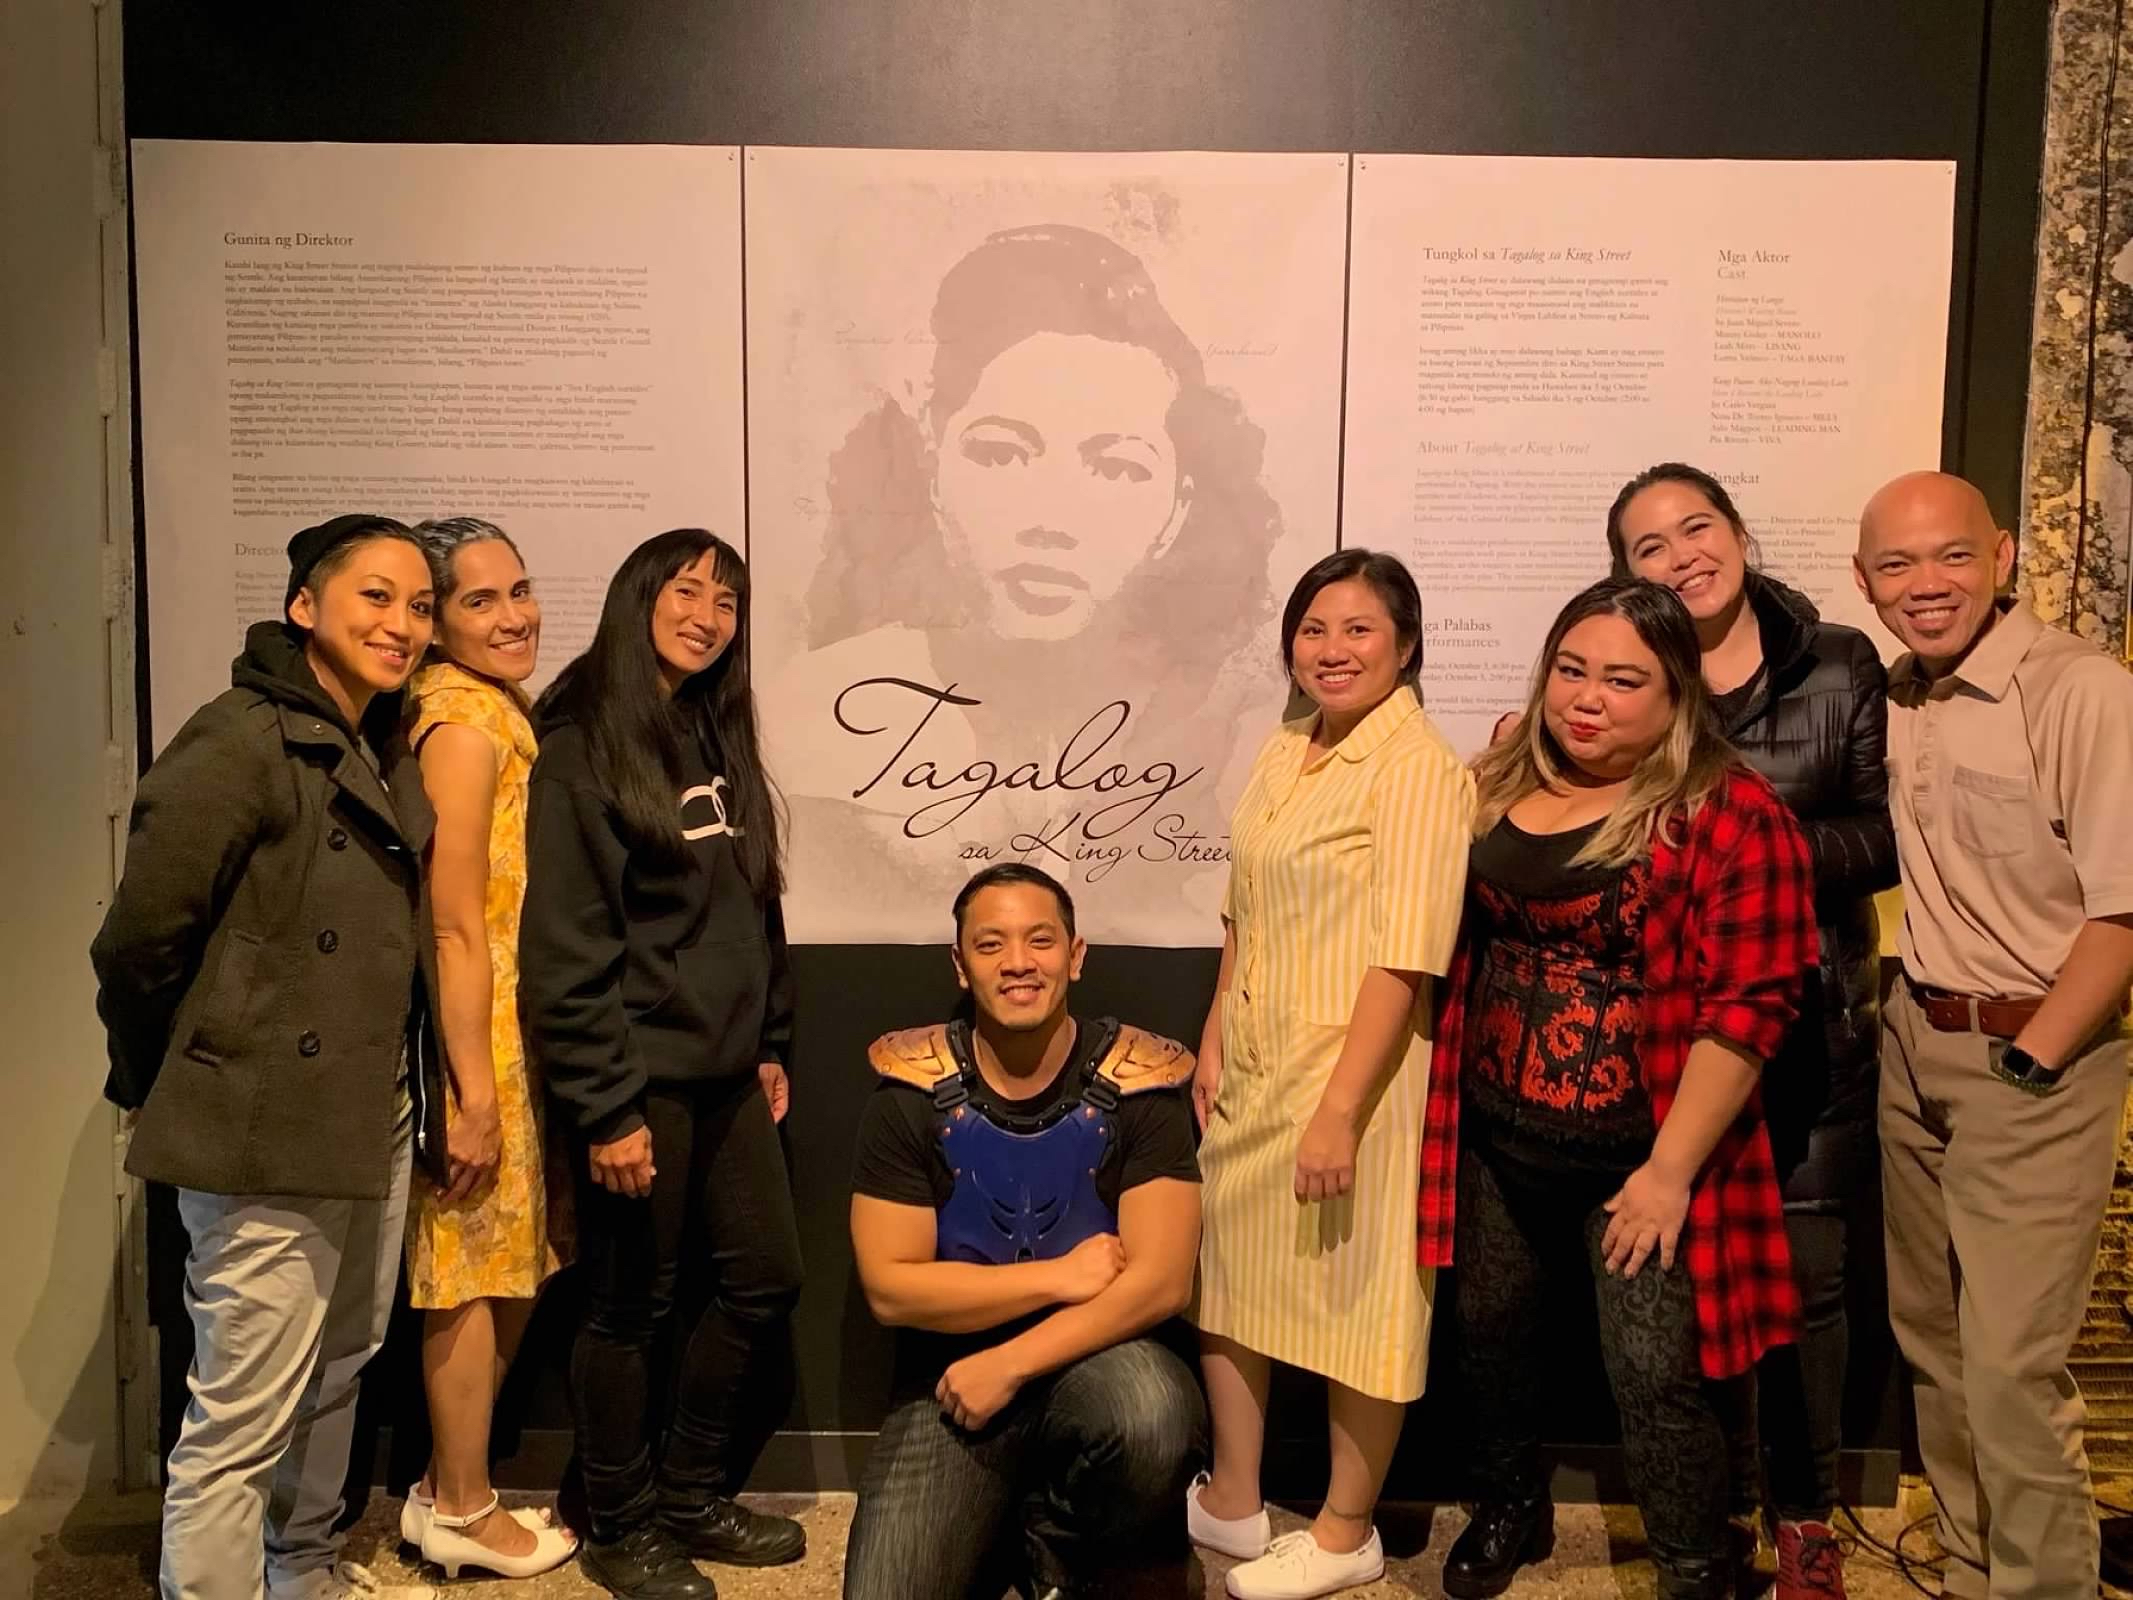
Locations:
(496, 1243)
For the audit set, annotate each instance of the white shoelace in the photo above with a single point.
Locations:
(1291, 1549)
(351, 1580)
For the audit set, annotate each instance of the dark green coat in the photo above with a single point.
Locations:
(268, 951)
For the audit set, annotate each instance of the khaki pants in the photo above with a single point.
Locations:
(288, 1297)
(1993, 1202)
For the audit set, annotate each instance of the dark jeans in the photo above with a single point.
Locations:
(722, 1202)
(1518, 1224)
(1083, 1473)
(1795, 1396)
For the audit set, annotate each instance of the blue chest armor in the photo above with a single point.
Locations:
(1023, 1196)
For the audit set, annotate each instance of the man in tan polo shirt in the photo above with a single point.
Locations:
(2004, 1050)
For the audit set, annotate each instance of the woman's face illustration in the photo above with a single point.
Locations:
(1058, 477)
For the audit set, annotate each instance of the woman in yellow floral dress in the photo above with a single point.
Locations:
(479, 1249)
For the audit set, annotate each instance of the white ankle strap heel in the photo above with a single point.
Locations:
(415, 1514)
(444, 1543)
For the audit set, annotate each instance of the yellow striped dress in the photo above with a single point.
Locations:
(1356, 861)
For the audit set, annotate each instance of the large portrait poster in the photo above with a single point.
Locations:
(546, 336)
(1527, 333)
(1037, 444)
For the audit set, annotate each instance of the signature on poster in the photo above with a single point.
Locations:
(1058, 845)
(1084, 764)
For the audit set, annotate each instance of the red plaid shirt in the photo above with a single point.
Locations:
(1729, 935)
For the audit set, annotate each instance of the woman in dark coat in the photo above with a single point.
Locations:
(261, 977)
(1805, 701)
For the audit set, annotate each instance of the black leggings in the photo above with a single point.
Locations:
(1516, 1224)
(721, 1201)
(1795, 1395)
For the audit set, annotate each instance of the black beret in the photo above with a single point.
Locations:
(311, 546)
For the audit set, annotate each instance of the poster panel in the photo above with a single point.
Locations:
(1037, 445)
(546, 336)
(1525, 334)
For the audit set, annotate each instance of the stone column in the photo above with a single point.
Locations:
(2079, 507)
(2079, 451)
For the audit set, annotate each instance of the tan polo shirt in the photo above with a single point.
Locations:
(2011, 786)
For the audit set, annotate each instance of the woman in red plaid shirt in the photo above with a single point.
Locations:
(1639, 921)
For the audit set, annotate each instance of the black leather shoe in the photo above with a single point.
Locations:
(1503, 1537)
(725, 1530)
(1694, 1579)
(645, 1564)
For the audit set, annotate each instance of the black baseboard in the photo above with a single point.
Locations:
(822, 1463)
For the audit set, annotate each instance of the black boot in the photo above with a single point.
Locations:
(570, 1507)
(722, 1529)
(645, 1564)
(1694, 1577)
(1504, 1536)
(1755, 1560)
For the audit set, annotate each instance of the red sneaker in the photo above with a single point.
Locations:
(1810, 1566)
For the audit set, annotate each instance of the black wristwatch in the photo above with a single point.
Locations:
(2023, 1068)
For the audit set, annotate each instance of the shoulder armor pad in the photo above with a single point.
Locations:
(1140, 1060)
(919, 1057)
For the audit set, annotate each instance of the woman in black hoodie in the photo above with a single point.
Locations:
(1806, 702)
(261, 980)
(656, 998)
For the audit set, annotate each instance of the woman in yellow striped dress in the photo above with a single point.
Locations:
(1348, 864)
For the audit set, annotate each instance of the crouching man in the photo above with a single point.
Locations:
(1026, 1210)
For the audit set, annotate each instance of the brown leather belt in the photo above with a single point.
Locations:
(1961, 1013)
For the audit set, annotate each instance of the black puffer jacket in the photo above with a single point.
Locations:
(1817, 728)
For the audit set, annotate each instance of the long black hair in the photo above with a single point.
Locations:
(1689, 477)
(634, 732)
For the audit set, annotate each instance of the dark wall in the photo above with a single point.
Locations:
(1959, 80)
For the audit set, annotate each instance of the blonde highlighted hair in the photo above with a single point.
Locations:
(1674, 778)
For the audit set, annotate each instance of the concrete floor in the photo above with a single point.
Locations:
(107, 1551)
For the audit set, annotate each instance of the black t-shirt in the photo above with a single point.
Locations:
(1730, 707)
(899, 1159)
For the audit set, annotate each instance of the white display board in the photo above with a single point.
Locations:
(546, 336)
(1037, 444)
(1032, 446)
(1525, 334)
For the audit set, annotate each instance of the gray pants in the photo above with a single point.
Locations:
(289, 1297)
(1993, 1202)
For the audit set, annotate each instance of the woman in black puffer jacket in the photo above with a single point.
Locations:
(1806, 702)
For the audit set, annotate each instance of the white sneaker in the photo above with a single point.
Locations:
(1295, 1568)
(350, 1580)
(1244, 1538)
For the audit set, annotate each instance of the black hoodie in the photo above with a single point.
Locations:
(632, 973)
(257, 970)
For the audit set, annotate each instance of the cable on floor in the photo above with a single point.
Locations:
(1906, 1565)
